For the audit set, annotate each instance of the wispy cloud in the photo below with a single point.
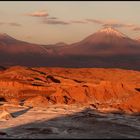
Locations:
(115, 24)
(79, 21)
(46, 19)
(104, 23)
(55, 21)
(42, 13)
(13, 24)
(52, 20)
(118, 25)
(95, 21)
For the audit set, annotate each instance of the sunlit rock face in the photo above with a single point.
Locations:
(104, 89)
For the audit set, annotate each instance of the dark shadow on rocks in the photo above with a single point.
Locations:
(85, 124)
(2, 99)
(138, 89)
(21, 112)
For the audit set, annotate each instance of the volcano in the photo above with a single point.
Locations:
(105, 48)
(105, 42)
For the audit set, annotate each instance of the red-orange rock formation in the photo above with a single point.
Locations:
(103, 88)
(40, 101)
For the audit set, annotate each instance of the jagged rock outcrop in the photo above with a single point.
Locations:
(5, 115)
(103, 88)
(40, 101)
(131, 104)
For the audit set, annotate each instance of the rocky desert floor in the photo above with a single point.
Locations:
(67, 121)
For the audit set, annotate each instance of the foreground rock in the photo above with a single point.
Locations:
(5, 115)
(68, 121)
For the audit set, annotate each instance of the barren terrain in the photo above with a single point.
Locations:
(69, 103)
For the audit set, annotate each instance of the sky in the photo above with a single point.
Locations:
(49, 22)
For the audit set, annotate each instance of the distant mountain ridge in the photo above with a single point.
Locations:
(105, 48)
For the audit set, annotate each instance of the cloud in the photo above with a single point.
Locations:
(46, 19)
(52, 18)
(55, 21)
(104, 23)
(39, 14)
(79, 21)
(95, 21)
(115, 24)
(14, 24)
(118, 25)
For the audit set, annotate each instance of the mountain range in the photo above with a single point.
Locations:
(104, 48)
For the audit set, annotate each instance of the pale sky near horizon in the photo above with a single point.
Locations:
(47, 22)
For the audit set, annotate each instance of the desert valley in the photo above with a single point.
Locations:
(44, 102)
(33, 97)
(88, 88)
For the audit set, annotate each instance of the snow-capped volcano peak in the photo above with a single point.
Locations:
(107, 34)
(112, 31)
